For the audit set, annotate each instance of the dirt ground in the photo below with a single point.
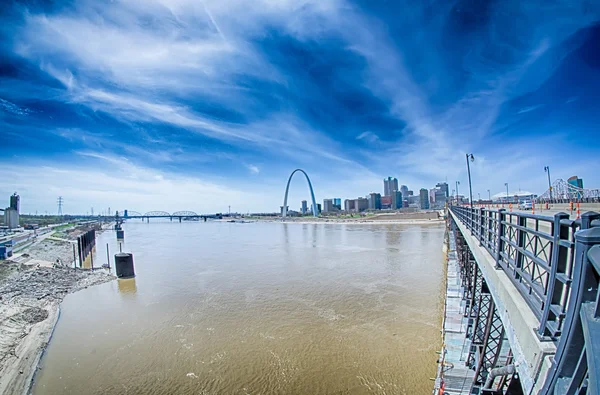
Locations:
(29, 308)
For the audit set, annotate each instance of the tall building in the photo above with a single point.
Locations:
(15, 202)
(328, 205)
(361, 204)
(304, 208)
(444, 187)
(424, 198)
(404, 190)
(389, 185)
(397, 200)
(337, 202)
(374, 201)
(318, 208)
(349, 205)
(440, 197)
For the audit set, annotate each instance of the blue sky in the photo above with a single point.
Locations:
(198, 105)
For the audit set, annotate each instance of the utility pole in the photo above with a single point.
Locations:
(472, 158)
(60, 204)
(457, 184)
(547, 170)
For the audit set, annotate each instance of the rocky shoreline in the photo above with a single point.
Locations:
(30, 295)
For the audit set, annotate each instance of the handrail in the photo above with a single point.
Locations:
(576, 363)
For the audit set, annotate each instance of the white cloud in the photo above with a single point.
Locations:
(253, 169)
(368, 136)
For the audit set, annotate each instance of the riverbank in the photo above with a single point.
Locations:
(31, 289)
(417, 218)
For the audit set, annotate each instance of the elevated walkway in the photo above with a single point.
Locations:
(527, 287)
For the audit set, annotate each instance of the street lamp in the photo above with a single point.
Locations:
(489, 195)
(506, 184)
(472, 158)
(547, 170)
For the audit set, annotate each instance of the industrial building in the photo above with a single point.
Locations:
(11, 213)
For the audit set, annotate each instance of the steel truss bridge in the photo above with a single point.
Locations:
(186, 215)
(562, 190)
(530, 291)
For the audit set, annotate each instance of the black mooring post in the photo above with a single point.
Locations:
(107, 257)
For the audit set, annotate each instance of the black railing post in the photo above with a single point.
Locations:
(587, 218)
(571, 344)
(559, 258)
(490, 226)
(481, 226)
(521, 237)
(499, 241)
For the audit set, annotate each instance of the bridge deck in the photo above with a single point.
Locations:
(530, 353)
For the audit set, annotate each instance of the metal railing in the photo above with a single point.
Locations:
(536, 252)
(576, 365)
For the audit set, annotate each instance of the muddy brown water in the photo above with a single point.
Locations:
(256, 308)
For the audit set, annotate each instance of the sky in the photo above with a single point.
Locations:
(210, 105)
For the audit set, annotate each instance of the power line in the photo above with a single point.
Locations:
(60, 204)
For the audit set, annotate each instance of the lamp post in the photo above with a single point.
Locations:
(506, 184)
(457, 184)
(547, 170)
(472, 158)
(489, 195)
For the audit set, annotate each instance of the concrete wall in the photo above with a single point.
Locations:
(531, 354)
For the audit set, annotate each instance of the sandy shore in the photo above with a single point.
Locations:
(30, 294)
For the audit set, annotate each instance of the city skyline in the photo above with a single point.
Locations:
(177, 105)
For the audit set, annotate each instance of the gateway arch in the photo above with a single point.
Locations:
(312, 194)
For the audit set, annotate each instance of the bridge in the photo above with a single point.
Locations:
(526, 304)
(563, 192)
(180, 215)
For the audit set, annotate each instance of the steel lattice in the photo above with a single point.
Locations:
(492, 344)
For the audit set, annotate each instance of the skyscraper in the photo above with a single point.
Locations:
(444, 187)
(396, 200)
(374, 201)
(304, 208)
(337, 202)
(389, 185)
(424, 198)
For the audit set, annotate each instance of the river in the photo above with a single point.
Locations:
(256, 308)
